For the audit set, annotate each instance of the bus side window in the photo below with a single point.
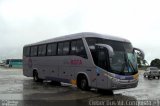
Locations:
(42, 50)
(65, 48)
(73, 48)
(91, 43)
(34, 51)
(77, 48)
(52, 49)
(81, 49)
(60, 48)
(39, 50)
(26, 51)
(49, 50)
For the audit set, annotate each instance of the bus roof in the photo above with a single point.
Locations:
(80, 35)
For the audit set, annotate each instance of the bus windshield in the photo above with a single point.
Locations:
(124, 61)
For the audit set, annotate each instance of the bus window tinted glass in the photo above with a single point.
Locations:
(42, 50)
(65, 48)
(80, 49)
(52, 49)
(91, 42)
(34, 51)
(73, 47)
(49, 50)
(60, 48)
(26, 51)
(116, 45)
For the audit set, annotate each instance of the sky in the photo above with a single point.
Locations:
(28, 21)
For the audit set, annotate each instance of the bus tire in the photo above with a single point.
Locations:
(36, 78)
(149, 77)
(83, 83)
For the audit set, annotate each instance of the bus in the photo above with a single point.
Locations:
(86, 59)
(15, 63)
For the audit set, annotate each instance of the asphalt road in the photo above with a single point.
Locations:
(18, 90)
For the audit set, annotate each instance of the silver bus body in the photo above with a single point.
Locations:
(66, 68)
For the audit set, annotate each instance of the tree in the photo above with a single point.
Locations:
(140, 60)
(155, 63)
(145, 63)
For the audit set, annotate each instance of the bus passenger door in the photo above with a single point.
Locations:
(103, 66)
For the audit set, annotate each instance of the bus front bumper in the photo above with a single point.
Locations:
(124, 84)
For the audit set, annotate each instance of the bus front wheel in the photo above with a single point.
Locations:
(83, 83)
(36, 78)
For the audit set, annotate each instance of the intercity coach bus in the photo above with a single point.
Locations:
(88, 60)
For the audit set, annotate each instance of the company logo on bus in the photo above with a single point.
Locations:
(76, 62)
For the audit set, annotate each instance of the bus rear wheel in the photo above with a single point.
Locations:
(83, 83)
(36, 78)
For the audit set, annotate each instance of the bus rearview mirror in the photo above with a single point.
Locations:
(141, 52)
(109, 49)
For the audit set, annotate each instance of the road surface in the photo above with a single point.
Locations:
(18, 90)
